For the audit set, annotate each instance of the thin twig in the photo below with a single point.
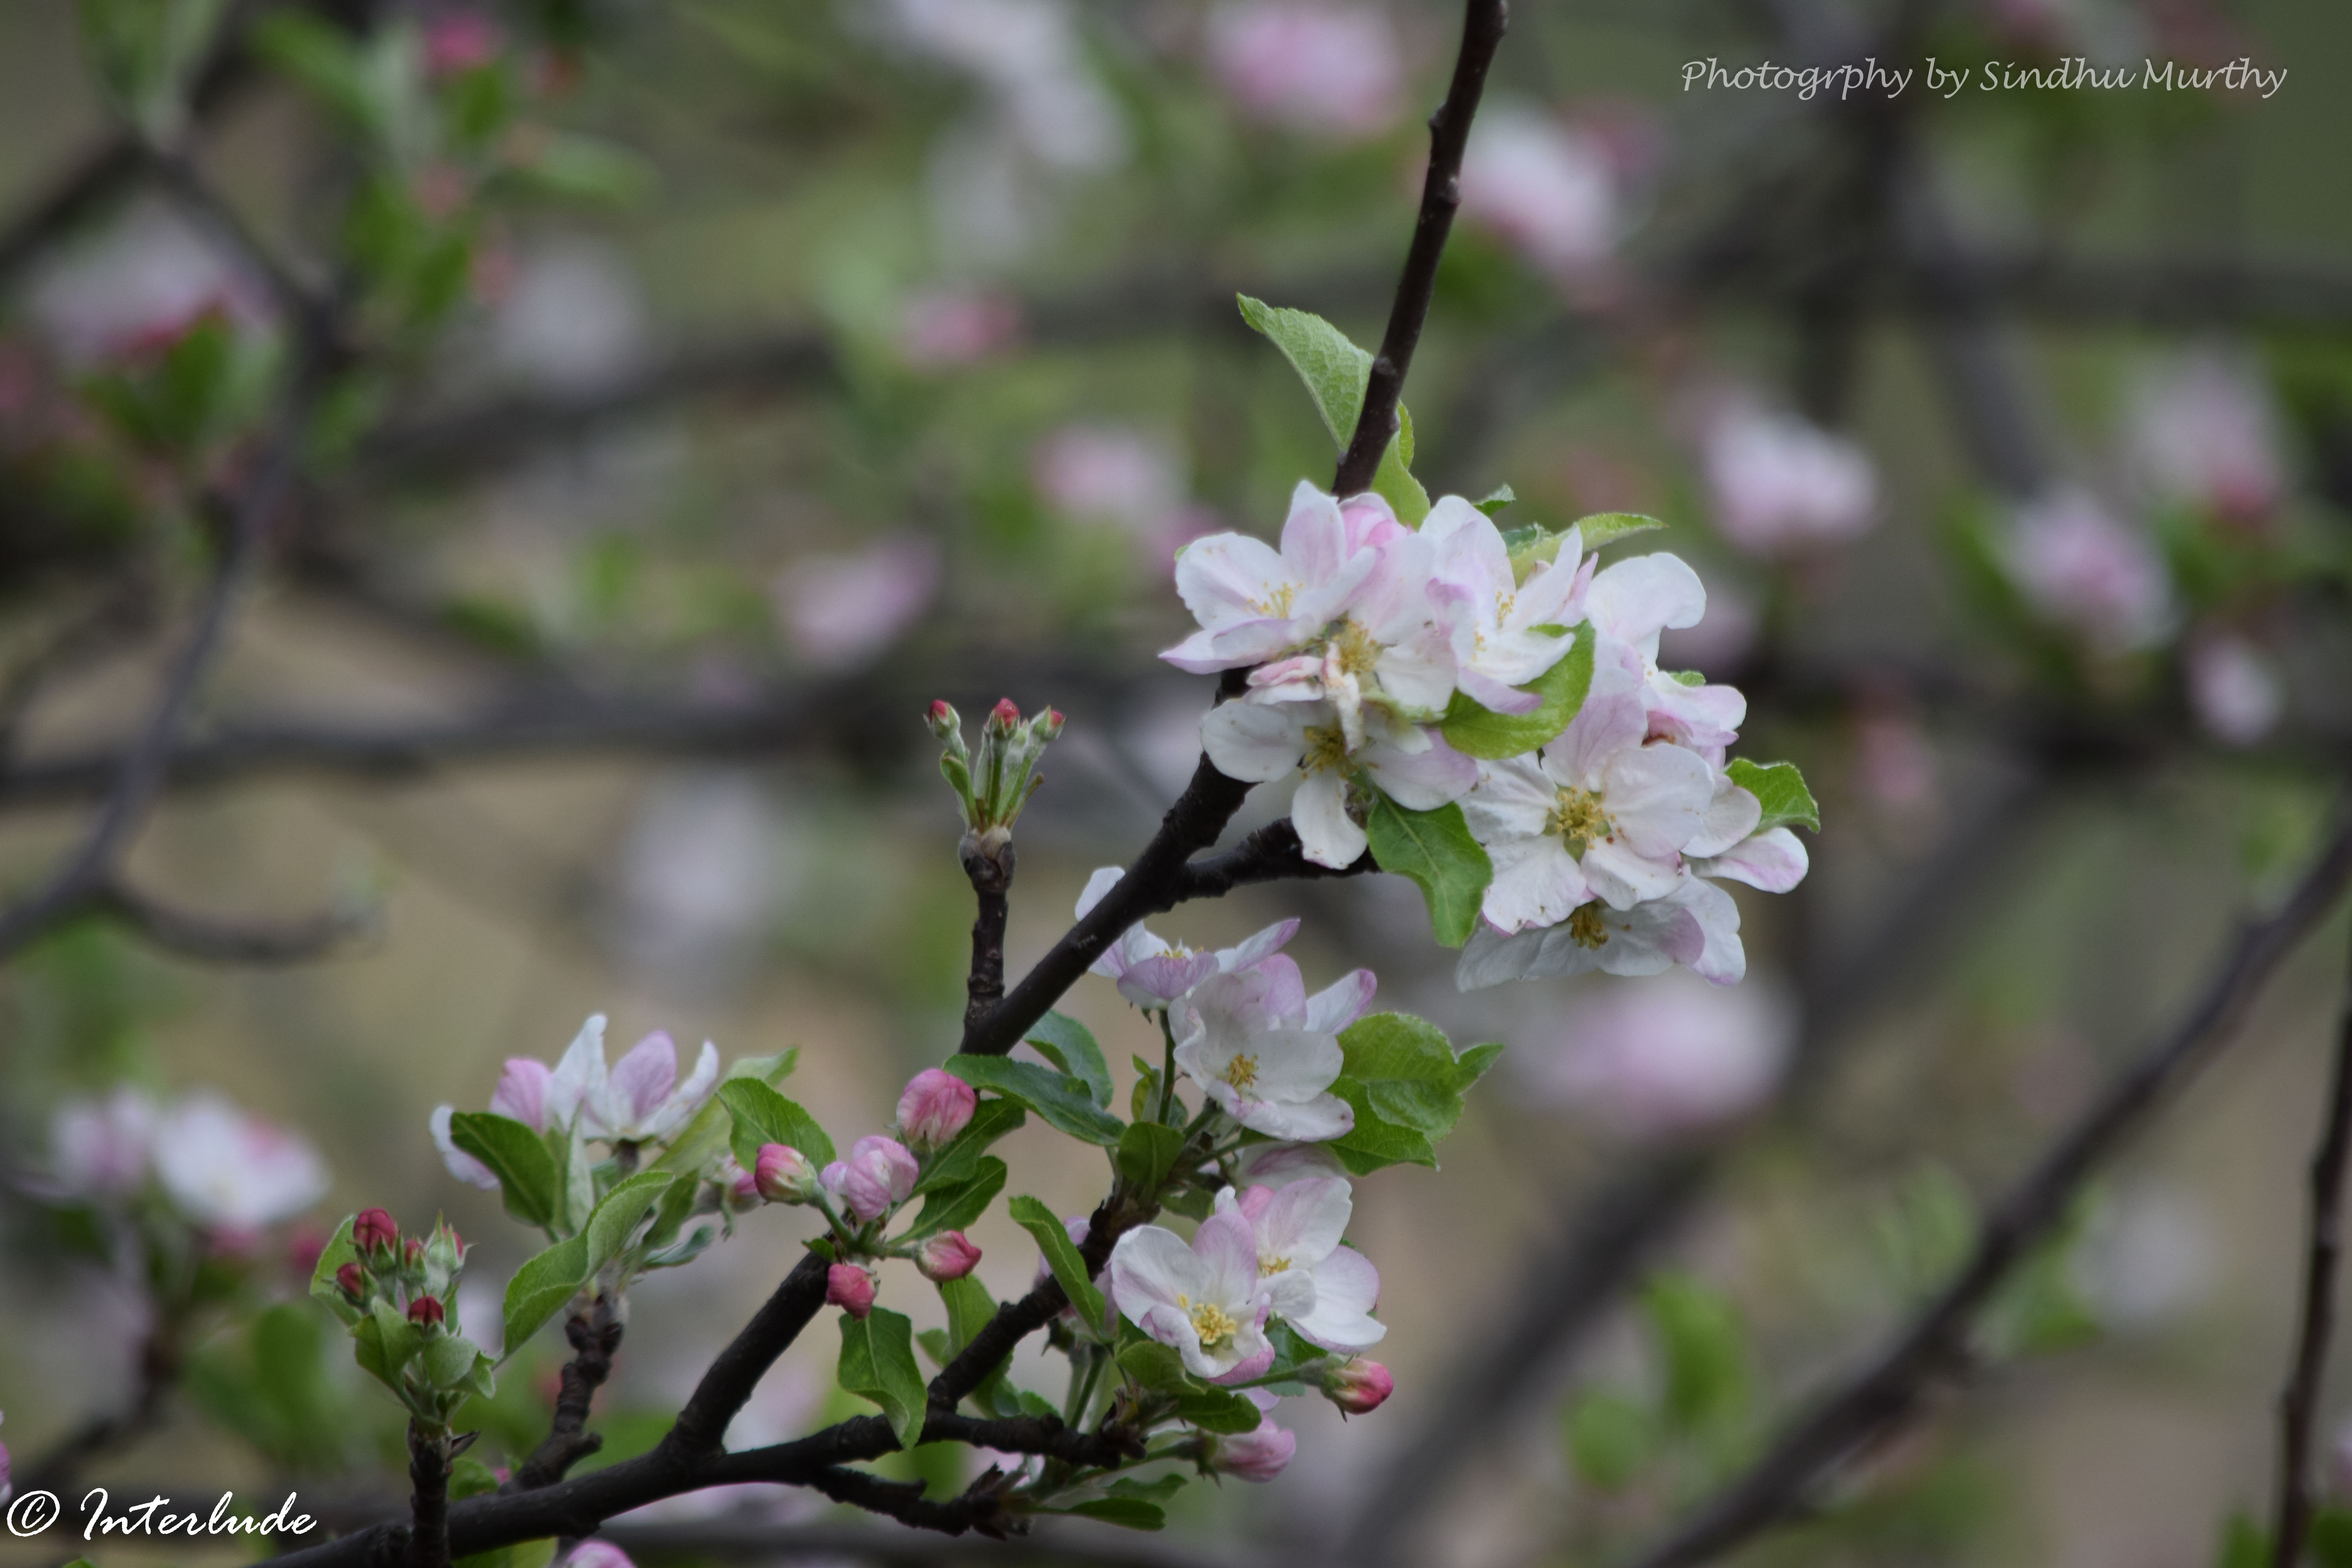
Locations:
(991, 873)
(593, 1331)
(1483, 24)
(2299, 1403)
(212, 939)
(1863, 1411)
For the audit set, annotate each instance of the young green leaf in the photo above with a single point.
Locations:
(878, 1363)
(1470, 727)
(1070, 1046)
(519, 1158)
(1608, 527)
(1410, 1073)
(541, 1288)
(1781, 789)
(616, 1216)
(1061, 1255)
(340, 1250)
(1495, 500)
(955, 1164)
(969, 1307)
(1375, 1143)
(1699, 1337)
(707, 1134)
(1063, 1100)
(1435, 851)
(1336, 372)
(763, 1116)
(1128, 1513)
(1610, 1439)
(952, 1209)
(1147, 1153)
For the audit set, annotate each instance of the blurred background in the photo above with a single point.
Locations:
(716, 383)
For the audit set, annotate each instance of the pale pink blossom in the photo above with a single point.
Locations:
(1696, 925)
(850, 1287)
(1204, 1298)
(2204, 431)
(1255, 603)
(1030, 55)
(842, 612)
(878, 1176)
(99, 1148)
(2234, 689)
(941, 328)
(1112, 472)
(1502, 632)
(1258, 1456)
(1323, 1289)
(782, 1175)
(1277, 1165)
(641, 1100)
(571, 318)
(597, 1555)
(2092, 576)
(233, 1170)
(459, 41)
(1266, 1053)
(1630, 605)
(1666, 1057)
(1782, 485)
(936, 1106)
(1328, 69)
(1153, 972)
(1357, 1386)
(947, 1256)
(1261, 743)
(140, 281)
(1546, 190)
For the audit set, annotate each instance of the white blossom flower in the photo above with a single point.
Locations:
(1549, 191)
(1205, 1299)
(99, 1148)
(842, 612)
(1696, 925)
(1152, 972)
(1322, 1288)
(1597, 814)
(1255, 603)
(1781, 484)
(2203, 430)
(642, 1100)
(1503, 633)
(1279, 1164)
(227, 1168)
(2235, 689)
(1629, 604)
(1262, 741)
(2088, 573)
(1266, 1053)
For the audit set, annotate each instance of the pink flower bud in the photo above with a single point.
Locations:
(878, 1176)
(943, 721)
(1258, 1456)
(373, 1229)
(1357, 1386)
(413, 1251)
(425, 1310)
(1002, 717)
(849, 1287)
(1048, 726)
(783, 1175)
(352, 1281)
(598, 1554)
(945, 1256)
(936, 1107)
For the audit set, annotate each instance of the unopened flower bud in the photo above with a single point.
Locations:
(1004, 716)
(374, 1228)
(944, 720)
(945, 1256)
(1357, 1386)
(425, 1310)
(598, 1554)
(936, 1107)
(849, 1287)
(1047, 725)
(413, 1250)
(352, 1281)
(1258, 1456)
(878, 1176)
(783, 1175)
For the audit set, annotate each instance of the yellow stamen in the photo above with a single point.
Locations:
(1584, 927)
(1326, 750)
(1357, 650)
(1242, 1071)
(1577, 816)
(1267, 1265)
(1279, 605)
(1211, 1321)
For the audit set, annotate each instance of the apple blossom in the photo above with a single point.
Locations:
(1279, 1164)
(2203, 430)
(1311, 66)
(1267, 1054)
(1205, 1299)
(947, 1256)
(1255, 603)
(936, 1106)
(783, 1175)
(843, 611)
(1549, 191)
(2233, 689)
(1322, 1288)
(598, 1554)
(1781, 485)
(1696, 925)
(850, 1287)
(233, 1170)
(459, 41)
(374, 1231)
(1152, 972)
(99, 1148)
(1357, 1386)
(878, 1176)
(1503, 633)
(1260, 742)
(1629, 604)
(1258, 1456)
(944, 327)
(1597, 814)
(425, 1310)
(1668, 1057)
(1030, 56)
(352, 1281)
(642, 1100)
(2081, 569)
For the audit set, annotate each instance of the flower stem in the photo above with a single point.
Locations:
(1167, 1069)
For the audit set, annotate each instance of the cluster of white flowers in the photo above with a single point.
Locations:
(1606, 840)
(219, 1166)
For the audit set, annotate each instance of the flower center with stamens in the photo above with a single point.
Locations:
(1326, 750)
(1584, 927)
(1242, 1071)
(1578, 818)
(1278, 605)
(1357, 653)
(1267, 1265)
(1211, 1321)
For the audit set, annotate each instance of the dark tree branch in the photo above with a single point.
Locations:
(2299, 1402)
(428, 1504)
(593, 1333)
(1864, 1409)
(123, 609)
(1272, 854)
(729, 1379)
(1483, 24)
(1072, 1542)
(990, 871)
(211, 939)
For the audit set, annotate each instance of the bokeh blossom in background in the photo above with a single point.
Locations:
(1326, 67)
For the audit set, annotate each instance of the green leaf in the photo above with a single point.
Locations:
(1435, 851)
(450, 1361)
(1374, 1141)
(1495, 500)
(1063, 1100)
(468, 1477)
(2244, 1543)
(2331, 1537)
(1130, 1513)
(1781, 789)
(969, 1307)
(1336, 372)
(957, 1164)
(1217, 1410)
(1608, 527)
(1147, 1153)
(1699, 1337)
(1061, 1255)
(1610, 1439)
(707, 1132)
(1070, 1046)
(539, 1289)
(340, 1250)
(952, 1209)
(1154, 1366)
(763, 1116)
(675, 1206)
(520, 1160)
(617, 1214)
(878, 1363)
(1409, 1071)
(1472, 728)
(1159, 1488)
